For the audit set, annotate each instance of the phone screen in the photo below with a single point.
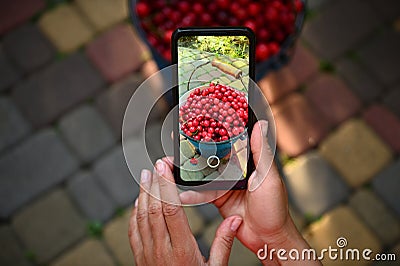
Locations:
(213, 97)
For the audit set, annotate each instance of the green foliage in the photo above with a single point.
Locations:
(232, 46)
(326, 66)
(95, 229)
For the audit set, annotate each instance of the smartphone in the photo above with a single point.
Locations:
(213, 118)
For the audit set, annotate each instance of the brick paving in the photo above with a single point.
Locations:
(67, 71)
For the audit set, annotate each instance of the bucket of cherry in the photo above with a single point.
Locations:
(213, 118)
(276, 23)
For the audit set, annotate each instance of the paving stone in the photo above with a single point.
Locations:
(153, 141)
(37, 164)
(382, 55)
(303, 65)
(115, 178)
(332, 98)
(387, 184)
(55, 89)
(385, 124)
(298, 219)
(113, 102)
(103, 13)
(90, 197)
(13, 126)
(11, 253)
(88, 252)
(278, 84)
(392, 100)
(53, 225)
(359, 80)
(117, 52)
(298, 125)
(208, 211)
(314, 186)
(204, 248)
(356, 152)
(209, 232)
(196, 221)
(116, 238)
(14, 13)
(86, 132)
(341, 222)
(28, 47)
(387, 11)
(376, 215)
(66, 28)
(9, 74)
(330, 36)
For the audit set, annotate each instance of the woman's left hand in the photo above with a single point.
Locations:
(159, 231)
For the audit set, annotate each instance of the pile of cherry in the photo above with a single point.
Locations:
(214, 113)
(272, 20)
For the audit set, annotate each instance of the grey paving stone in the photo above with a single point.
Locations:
(115, 178)
(49, 225)
(314, 185)
(208, 211)
(376, 215)
(153, 141)
(13, 126)
(317, 4)
(392, 100)
(388, 10)
(11, 253)
(113, 102)
(37, 164)
(204, 248)
(9, 74)
(387, 184)
(28, 47)
(86, 132)
(359, 80)
(53, 90)
(341, 26)
(382, 56)
(92, 200)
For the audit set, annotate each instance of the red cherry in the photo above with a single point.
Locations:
(262, 52)
(254, 9)
(142, 9)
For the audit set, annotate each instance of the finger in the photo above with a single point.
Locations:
(198, 197)
(169, 160)
(262, 155)
(142, 216)
(223, 241)
(159, 231)
(134, 239)
(174, 214)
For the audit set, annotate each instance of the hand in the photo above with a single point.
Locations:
(265, 212)
(159, 232)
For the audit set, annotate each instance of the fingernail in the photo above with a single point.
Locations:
(160, 165)
(145, 176)
(136, 202)
(264, 128)
(235, 224)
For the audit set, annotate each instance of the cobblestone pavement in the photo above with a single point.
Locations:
(67, 72)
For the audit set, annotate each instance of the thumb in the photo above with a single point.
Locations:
(223, 241)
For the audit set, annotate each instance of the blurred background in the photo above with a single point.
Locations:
(68, 69)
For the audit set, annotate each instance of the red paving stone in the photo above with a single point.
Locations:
(332, 98)
(277, 84)
(304, 64)
(385, 124)
(14, 13)
(299, 127)
(117, 53)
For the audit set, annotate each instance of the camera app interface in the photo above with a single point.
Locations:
(213, 77)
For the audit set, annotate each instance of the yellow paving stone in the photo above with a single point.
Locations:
(66, 28)
(103, 13)
(196, 222)
(341, 222)
(356, 152)
(240, 255)
(116, 238)
(89, 252)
